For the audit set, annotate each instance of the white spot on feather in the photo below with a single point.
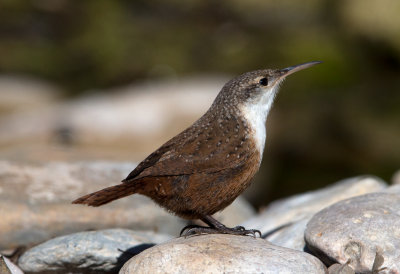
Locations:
(256, 112)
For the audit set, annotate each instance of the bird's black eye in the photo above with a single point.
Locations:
(263, 81)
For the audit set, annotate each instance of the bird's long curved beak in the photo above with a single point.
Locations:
(287, 71)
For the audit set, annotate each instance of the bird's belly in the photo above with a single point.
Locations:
(194, 195)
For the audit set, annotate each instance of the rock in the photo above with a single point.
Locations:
(392, 189)
(238, 212)
(340, 269)
(396, 178)
(363, 230)
(135, 120)
(221, 254)
(21, 94)
(290, 236)
(7, 267)
(102, 251)
(35, 202)
(283, 222)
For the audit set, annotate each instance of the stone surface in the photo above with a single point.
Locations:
(103, 251)
(239, 211)
(7, 267)
(363, 230)
(135, 120)
(396, 178)
(392, 189)
(284, 221)
(21, 94)
(221, 254)
(290, 236)
(340, 269)
(35, 203)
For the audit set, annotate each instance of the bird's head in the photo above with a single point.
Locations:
(257, 87)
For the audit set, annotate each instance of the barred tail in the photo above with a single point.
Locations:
(107, 195)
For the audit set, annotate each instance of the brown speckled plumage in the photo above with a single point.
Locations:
(204, 168)
(214, 156)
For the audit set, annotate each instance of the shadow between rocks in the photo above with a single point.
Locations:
(273, 231)
(129, 253)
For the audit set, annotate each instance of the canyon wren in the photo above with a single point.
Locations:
(203, 169)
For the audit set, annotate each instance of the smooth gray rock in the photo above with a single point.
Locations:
(291, 236)
(7, 267)
(363, 230)
(222, 254)
(283, 222)
(102, 251)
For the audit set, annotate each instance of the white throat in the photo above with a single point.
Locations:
(256, 114)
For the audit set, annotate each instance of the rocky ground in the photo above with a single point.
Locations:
(352, 226)
(49, 151)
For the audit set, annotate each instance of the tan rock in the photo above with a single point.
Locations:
(22, 94)
(35, 202)
(340, 269)
(128, 123)
(221, 254)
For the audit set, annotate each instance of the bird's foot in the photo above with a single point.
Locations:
(193, 230)
(186, 231)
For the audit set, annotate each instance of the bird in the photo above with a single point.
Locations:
(208, 165)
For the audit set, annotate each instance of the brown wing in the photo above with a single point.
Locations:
(207, 146)
(148, 162)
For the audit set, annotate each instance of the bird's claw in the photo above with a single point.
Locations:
(192, 230)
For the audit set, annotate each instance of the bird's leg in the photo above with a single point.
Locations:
(237, 230)
(216, 227)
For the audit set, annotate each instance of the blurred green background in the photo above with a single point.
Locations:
(334, 121)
